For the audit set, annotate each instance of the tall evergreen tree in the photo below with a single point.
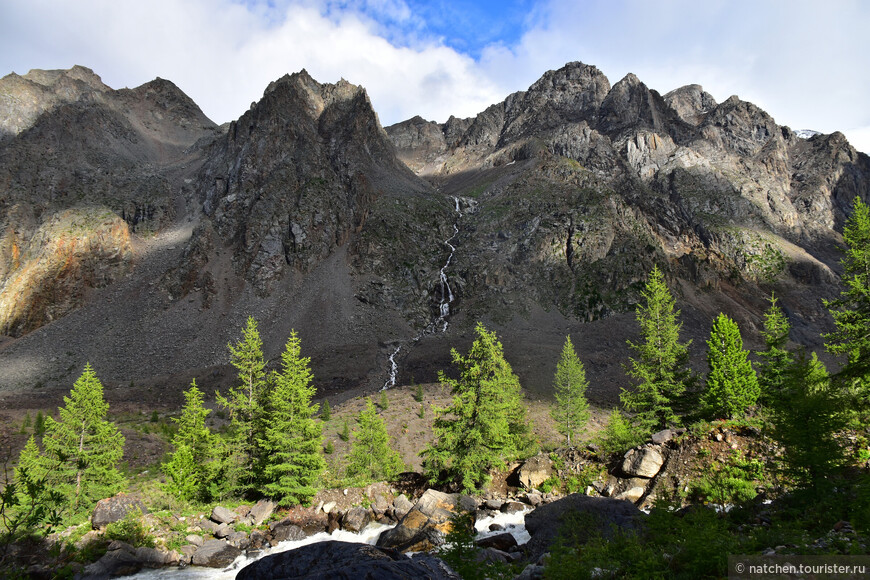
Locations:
(371, 457)
(732, 385)
(806, 420)
(193, 464)
(660, 368)
(775, 359)
(851, 311)
(569, 383)
(486, 421)
(244, 402)
(82, 448)
(290, 438)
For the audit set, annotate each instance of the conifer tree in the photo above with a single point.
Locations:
(775, 359)
(660, 368)
(326, 411)
(485, 425)
(371, 456)
(732, 385)
(82, 448)
(290, 438)
(569, 383)
(806, 420)
(851, 311)
(193, 464)
(30, 470)
(244, 403)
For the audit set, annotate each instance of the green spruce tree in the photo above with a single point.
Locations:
(775, 360)
(325, 411)
(806, 421)
(569, 384)
(371, 456)
(851, 311)
(660, 368)
(291, 438)
(244, 403)
(732, 385)
(485, 425)
(82, 448)
(193, 465)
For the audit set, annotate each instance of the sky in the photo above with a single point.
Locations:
(807, 63)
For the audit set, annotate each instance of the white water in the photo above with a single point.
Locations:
(439, 324)
(513, 523)
(368, 536)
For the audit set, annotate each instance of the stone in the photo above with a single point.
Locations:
(194, 539)
(328, 507)
(258, 540)
(642, 462)
(222, 515)
(512, 507)
(356, 519)
(154, 558)
(215, 554)
(223, 531)
(402, 506)
(533, 499)
(346, 561)
(423, 528)
(535, 471)
(261, 511)
(114, 509)
(284, 532)
(468, 503)
(597, 515)
(239, 539)
(504, 542)
(113, 564)
(186, 553)
(208, 526)
(491, 556)
(632, 494)
(663, 436)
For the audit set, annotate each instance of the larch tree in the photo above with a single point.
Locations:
(82, 448)
(569, 384)
(371, 456)
(851, 311)
(485, 425)
(775, 359)
(289, 437)
(660, 366)
(732, 385)
(244, 402)
(193, 464)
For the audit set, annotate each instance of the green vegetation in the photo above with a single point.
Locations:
(486, 423)
(371, 457)
(571, 411)
(131, 530)
(660, 369)
(325, 411)
(732, 386)
(194, 463)
(775, 359)
(289, 438)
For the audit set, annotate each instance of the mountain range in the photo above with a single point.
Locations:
(138, 235)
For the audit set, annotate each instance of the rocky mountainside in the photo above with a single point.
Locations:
(137, 235)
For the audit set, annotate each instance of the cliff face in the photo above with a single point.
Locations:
(128, 215)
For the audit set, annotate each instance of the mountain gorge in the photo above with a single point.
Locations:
(138, 235)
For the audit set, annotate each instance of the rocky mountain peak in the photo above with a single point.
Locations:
(690, 102)
(630, 106)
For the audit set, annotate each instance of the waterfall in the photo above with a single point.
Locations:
(439, 324)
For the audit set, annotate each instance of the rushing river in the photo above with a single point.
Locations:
(513, 523)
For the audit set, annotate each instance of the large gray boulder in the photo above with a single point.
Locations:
(423, 528)
(590, 515)
(261, 511)
(222, 515)
(215, 554)
(345, 561)
(642, 462)
(116, 508)
(535, 471)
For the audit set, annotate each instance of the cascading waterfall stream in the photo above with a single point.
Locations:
(439, 324)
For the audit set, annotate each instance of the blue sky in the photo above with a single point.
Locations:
(804, 62)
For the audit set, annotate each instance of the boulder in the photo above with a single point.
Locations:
(215, 554)
(154, 558)
(663, 436)
(114, 509)
(261, 511)
(223, 531)
(504, 542)
(194, 539)
(328, 507)
(512, 507)
(591, 515)
(535, 471)
(425, 525)
(283, 532)
(113, 564)
(355, 519)
(346, 561)
(642, 462)
(632, 494)
(401, 506)
(239, 539)
(222, 515)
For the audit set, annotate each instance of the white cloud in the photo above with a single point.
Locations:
(802, 62)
